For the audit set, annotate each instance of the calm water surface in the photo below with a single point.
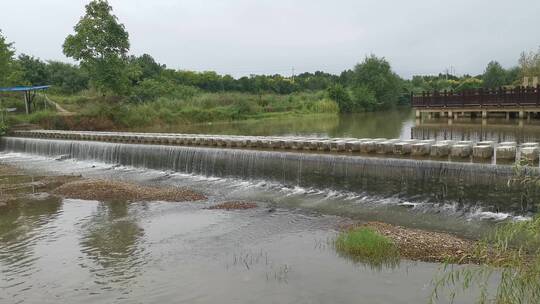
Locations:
(399, 123)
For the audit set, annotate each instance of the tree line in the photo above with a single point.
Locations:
(100, 46)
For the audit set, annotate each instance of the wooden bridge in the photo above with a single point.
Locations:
(518, 101)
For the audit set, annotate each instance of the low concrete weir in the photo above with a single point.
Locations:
(422, 178)
(505, 152)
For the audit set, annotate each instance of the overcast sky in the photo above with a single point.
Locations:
(242, 37)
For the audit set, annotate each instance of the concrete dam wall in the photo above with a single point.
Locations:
(432, 180)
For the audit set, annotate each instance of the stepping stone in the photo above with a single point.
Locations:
(530, 144)
(325, 145)
(486, 143)
(421, 149)
(368, 146)
(464, 142)
(461, 150)
(529, 153)
(334, 145)
(506, 152)
(440, 149)
(402, 148)
(387, 146)
(353, 146)
(483, 151)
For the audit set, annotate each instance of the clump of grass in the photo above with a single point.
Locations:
(365, 245)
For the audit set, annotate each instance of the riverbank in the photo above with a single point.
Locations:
(89, 111)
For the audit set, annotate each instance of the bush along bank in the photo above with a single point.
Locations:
(103, 113)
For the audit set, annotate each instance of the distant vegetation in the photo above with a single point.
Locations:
(116, 90)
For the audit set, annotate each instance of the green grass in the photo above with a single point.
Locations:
(101, 113)
(367, 246)
(93, 111)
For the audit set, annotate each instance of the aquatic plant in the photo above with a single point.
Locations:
(365, 245)
(511, 261)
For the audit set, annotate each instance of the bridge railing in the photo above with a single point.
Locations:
(518, 96)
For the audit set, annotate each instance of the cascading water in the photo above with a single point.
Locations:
(428, 181)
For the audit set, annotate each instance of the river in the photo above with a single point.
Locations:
(55, 250)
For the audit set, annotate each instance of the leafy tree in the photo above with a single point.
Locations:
(470, 83)
(530, 64)
(494, 75)
(148, 67)
(363, 99)
(67, 78)
(101, 43)
(34, 71)
(341, 96)
(376, 74)
(8, 69)
(512, 75)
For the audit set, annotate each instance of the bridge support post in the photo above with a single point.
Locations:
(418, 114)
(507, 115)
(484, 114)
(521, 114)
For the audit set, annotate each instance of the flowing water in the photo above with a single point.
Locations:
(73, 251)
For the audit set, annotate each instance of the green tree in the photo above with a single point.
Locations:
(363, 99)
(341, 96)
(8, 68)
(34, 71)
(494, 75)
(100, 44)
(530, 64)
(148, 67)
(469, 83)
(377, 75)
(67, 78)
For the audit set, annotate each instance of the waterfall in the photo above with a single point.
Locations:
(432, 179)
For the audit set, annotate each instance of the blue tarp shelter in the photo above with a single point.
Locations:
(29, 94)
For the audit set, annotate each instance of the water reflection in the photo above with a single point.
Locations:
(391, 124)
(22, 224)
(498, 130)
(374, 263)
(111, 239)
(399, 123)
